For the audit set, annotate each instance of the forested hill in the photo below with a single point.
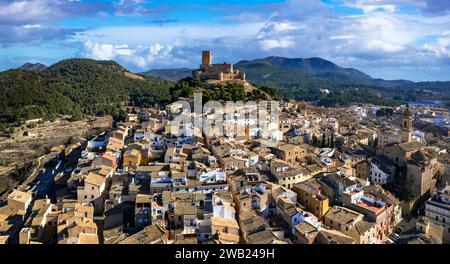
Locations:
(304, 78)
(300, 78)
(75, 87)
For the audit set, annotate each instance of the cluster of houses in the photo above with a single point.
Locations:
(334, 176)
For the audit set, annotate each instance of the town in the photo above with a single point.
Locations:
(353, 175)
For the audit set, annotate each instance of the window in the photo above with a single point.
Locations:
(85, 197)
(92, 187)
(92, 196)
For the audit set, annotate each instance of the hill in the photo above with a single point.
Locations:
(304, 78)
(36, 67)
(311, 66)
(170, 74)
(75, 87)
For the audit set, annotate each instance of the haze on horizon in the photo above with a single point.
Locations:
(389, 39)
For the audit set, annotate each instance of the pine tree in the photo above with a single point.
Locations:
(315, 141)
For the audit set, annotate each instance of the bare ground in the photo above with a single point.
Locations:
(23, 150)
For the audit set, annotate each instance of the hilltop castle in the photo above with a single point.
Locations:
(220, 72)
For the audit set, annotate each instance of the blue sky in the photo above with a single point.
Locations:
(391, 39)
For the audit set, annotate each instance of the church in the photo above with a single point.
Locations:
(417, 160)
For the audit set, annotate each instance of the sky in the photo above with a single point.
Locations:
(389, 39)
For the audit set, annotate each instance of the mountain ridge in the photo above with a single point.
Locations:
(176, 74)
(36, 67)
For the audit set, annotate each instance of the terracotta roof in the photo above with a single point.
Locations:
(84, 238)
(410, 146)
(228, 222)
(19, 196)
(95, 179)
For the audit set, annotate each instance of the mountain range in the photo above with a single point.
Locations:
(289, 74)
(80, 87)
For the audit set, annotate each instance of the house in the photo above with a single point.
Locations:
(19, 201)
(309, 195)
(93, 191)
(305, 233)
(105, 160)
(290, 153)
(437, 211)
(132, 159)
(142, 211)
(291, 176)
(289, 213)
(351, 224)
(152, 234)
(363, 169)
(225, 230)
(75, 223)
(382, 170)
(326, 236)
(174, 155)
(185, 216)
(251, 224)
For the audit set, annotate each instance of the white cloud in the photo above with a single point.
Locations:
(368, 6)
(380, 38)
(441, 48)
(284, 42)
(140, 57)
(44, 11)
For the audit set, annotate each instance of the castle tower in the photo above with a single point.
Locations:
(407, 125)
(206, 57)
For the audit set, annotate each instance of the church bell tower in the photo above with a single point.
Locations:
(407, 125)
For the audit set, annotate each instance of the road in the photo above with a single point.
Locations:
(44, 184)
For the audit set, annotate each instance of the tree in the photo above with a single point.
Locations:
(324, 143)
(332, 140)
(315, 141)
(77, 114)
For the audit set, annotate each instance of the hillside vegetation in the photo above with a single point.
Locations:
(224, 91)
(75, 87)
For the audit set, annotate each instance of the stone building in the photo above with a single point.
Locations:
(220, 72)
(422, 172)
(406, 125)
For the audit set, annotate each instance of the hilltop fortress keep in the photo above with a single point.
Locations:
(220, 72)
